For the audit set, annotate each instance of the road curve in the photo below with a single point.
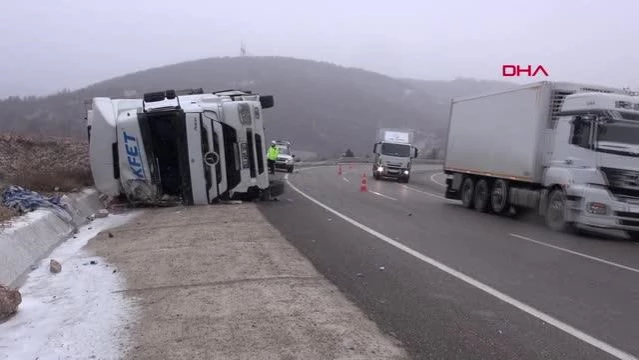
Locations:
(451, 283)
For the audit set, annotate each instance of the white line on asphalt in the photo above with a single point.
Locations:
(481, 286)
(576, 253)
(427, 193)
(345, 179)
(382, 195)
(432, 178)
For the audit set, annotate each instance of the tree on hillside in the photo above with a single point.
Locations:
(349, 153)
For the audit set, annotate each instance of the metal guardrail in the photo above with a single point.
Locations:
(356, 160)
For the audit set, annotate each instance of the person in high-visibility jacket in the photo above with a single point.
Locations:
(271, 157)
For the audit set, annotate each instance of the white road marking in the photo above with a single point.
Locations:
(382, 195)
(479, 285)
(432, 178)
(345, 179)
(428, 194)
(576, 253)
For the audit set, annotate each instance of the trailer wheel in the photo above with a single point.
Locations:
(467, 192)
(556, 211)
(499, 197)
(482, 196)
(633, 235)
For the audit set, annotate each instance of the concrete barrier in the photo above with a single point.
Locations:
(33, 236)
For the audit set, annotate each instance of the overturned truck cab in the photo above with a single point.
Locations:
(184, 146)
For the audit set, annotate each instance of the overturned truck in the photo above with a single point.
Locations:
(181, 146)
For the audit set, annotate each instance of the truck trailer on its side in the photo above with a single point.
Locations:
(568, 151)
(186, 145)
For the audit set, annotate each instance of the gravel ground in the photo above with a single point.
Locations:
(219, 282)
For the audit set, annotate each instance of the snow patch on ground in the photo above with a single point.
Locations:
(74, 314)
(11, 225)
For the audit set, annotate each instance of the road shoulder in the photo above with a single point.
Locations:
(220, 282)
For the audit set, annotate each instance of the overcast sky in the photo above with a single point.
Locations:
(48, 45)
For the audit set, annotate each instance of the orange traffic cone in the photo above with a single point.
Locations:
(364, 186)
(339, 169)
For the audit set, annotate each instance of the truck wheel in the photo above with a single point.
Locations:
(482, 196)
(499, 197)
(556, 211)
(467, 191)
(633, 235)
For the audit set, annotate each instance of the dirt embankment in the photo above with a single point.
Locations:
(219, 282)
(46, 165)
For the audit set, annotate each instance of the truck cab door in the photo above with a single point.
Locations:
(376, 151)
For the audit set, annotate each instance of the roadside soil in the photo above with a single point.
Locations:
(219, 282)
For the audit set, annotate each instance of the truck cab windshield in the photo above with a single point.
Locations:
(399, 150)
(619, 135)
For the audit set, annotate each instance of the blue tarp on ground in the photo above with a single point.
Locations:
(24, 200)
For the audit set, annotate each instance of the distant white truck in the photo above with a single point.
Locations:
(186, 145)
(569, 151)
(394, 152)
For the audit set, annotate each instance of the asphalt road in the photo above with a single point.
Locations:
(451, 283)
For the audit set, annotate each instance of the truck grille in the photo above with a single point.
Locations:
(628, 216)
(622, 183)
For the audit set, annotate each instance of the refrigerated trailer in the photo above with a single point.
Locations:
(569, 151)
(186, 146)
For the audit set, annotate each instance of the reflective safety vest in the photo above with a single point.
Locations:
(273, 152)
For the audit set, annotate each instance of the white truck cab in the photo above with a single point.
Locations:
(596, 160)
(184, 145)
(393, 152)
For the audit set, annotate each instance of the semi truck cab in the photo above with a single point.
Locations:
(185, 145)
(393, 154)
(596, 161)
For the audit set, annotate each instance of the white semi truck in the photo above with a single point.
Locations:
(568, 151)
(394, 152)
(188, 146)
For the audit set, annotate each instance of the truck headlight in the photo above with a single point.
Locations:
(597, 208)
(405, 172)
(380, 168)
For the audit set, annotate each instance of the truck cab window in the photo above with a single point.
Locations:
(581, 132)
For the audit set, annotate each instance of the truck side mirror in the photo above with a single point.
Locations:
(375, 149)
(416, 153)
(292, 156)
(267, 101)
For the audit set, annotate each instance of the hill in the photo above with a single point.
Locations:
(320, 107)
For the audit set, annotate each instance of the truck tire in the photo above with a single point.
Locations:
(556, 212)
(633, 235)
(467, 192)
(482, 196)
(499, 197)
